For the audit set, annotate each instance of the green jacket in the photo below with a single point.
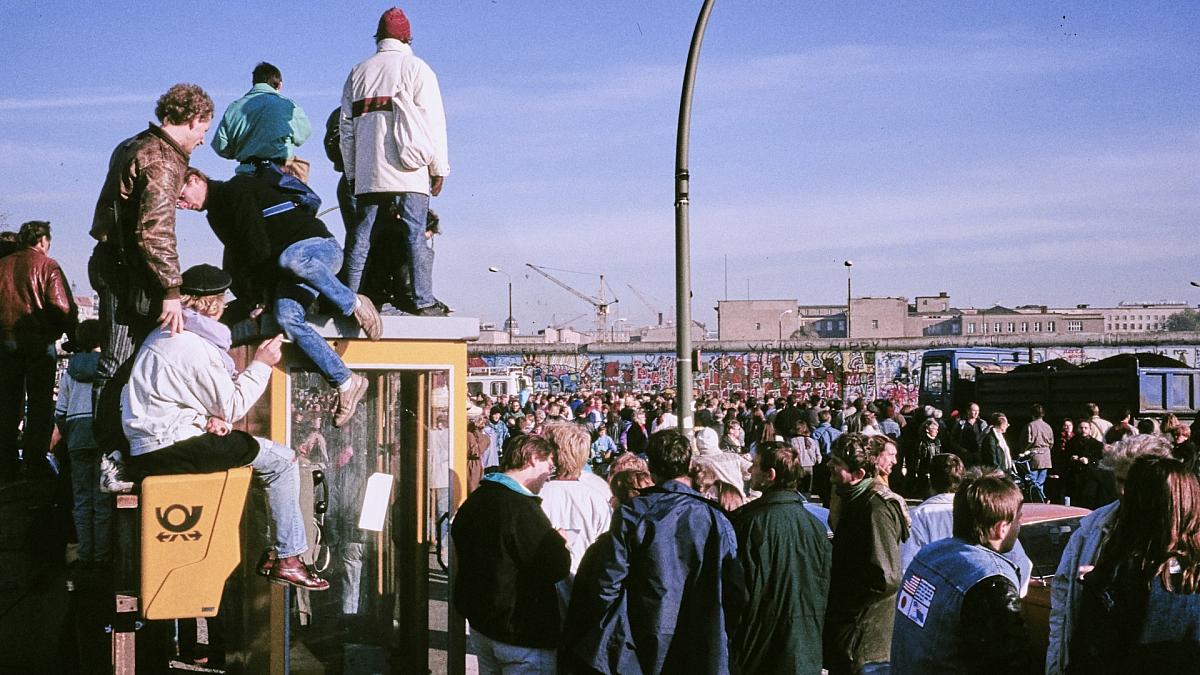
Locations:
(263, 124)
(865, 578)
(785, 555)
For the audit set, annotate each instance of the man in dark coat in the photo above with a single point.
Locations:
(509, 560)
(993, 451)
(673, 569)
(866, 561)
(785, 557)
(971, 432)
(636, 436)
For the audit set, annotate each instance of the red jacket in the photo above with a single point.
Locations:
(36, 306)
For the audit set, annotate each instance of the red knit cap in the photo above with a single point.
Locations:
(393, 24)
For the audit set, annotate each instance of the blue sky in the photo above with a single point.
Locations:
(1004, 152)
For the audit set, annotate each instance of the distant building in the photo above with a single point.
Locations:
(664, 332)
(1134, 317)
(89, 306)
(886, 317)
(1029, 319)
(753, 320)
(489, 334)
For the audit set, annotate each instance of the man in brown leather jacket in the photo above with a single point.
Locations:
(36, 308)
(135, 266)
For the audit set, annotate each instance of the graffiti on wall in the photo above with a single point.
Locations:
(845, 375)
(830, 374)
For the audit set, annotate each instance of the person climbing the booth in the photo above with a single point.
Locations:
(183, 394)
(281, 255)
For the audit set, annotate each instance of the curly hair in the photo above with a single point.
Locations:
(182, 103)
(1121, 455)
(626, 461)
(628, 484)
(854, 451)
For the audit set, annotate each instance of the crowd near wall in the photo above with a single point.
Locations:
(834, 373)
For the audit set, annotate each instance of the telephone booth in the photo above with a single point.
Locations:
(379, 490)
(383, 488)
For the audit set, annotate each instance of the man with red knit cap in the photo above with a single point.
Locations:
(393, 143)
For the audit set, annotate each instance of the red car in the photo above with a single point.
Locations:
(1045, 530)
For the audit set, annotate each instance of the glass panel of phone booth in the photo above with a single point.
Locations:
(357, 623)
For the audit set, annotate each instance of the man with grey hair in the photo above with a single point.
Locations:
(1085, 544)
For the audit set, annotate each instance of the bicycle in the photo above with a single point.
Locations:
(1023, 475)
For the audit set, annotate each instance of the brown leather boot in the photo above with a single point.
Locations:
(368, 317)
(348, 400)
(293, 572)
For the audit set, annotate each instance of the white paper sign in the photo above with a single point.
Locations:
(375, 502)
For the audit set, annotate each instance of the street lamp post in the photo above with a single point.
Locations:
(510, 322)
(781, 315)
(683, 270)
(848, 264)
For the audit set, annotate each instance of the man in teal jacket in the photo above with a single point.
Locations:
(264, 126)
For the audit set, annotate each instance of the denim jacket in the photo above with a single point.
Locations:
(929, 604)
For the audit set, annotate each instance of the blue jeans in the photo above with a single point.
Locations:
(408, 211)
(1039, 478)
(314, 264)
(276, 469)
(93, 509)
(500, 657)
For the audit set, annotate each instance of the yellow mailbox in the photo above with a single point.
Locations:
(190, 541)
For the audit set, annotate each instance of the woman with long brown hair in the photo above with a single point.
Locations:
(1141, 604)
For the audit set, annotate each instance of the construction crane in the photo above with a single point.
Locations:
(654, 311)
(559, 325)
(599, 302)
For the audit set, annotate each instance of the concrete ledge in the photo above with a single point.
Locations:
(448, 329)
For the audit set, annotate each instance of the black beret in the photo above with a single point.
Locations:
(205, 280)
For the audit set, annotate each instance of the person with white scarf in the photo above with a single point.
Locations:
(995, 450)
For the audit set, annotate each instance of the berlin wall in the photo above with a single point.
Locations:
(871, 371)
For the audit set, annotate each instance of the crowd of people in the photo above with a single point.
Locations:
(747, 549)
(597, 536)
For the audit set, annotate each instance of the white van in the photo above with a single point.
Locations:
(499, 382)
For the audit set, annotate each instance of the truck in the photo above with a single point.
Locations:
(1006, 380)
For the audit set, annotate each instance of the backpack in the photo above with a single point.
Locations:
(296, 190)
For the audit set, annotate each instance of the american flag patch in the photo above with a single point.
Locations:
(914, 599)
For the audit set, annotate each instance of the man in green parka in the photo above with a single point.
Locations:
(866, 561)
(785, 555)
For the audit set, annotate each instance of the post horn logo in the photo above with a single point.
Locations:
(178, 531)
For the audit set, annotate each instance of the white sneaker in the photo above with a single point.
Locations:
(110, 475)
